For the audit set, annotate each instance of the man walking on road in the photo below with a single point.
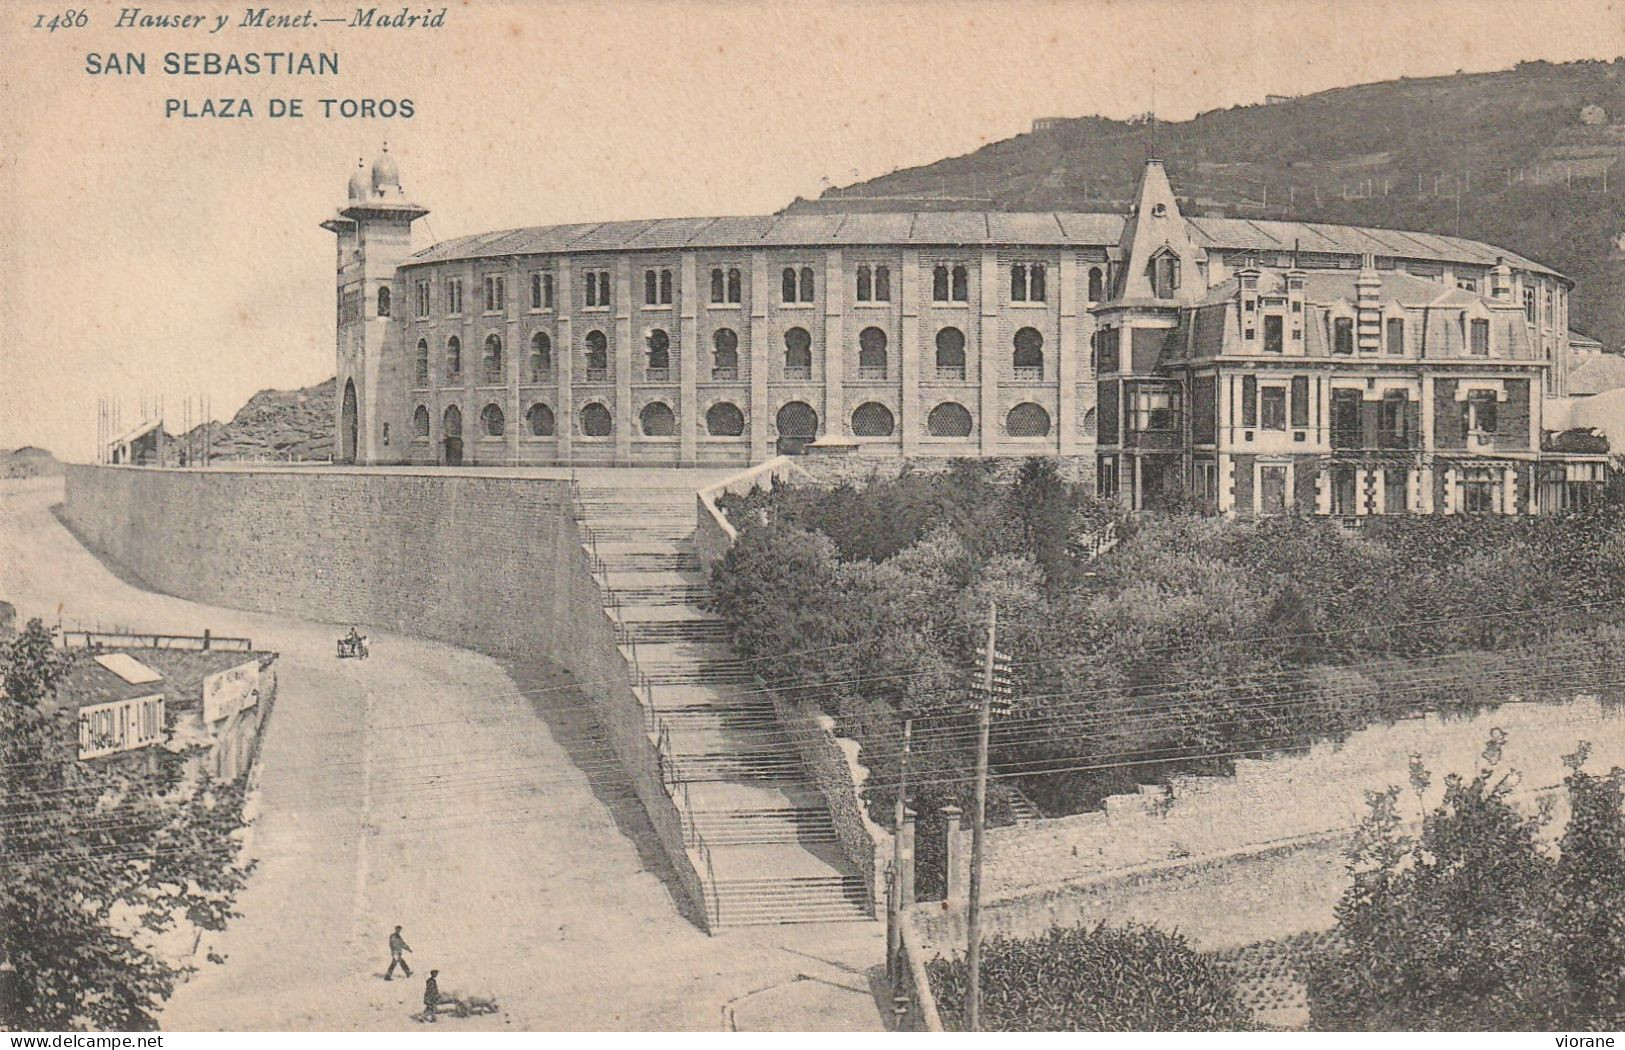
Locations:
(397, 945)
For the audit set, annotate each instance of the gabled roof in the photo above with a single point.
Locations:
(1594, 373)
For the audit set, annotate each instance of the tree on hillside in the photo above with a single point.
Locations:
(96, 858)
(1472, 925)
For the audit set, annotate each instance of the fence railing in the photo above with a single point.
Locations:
(207, 641)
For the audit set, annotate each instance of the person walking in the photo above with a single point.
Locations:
(397, 948)
(431, 997)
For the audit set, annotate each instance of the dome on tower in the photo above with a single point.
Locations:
(385, 175)
(358, 181)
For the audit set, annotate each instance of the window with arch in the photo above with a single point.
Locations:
(1164, 275)
(383, 302)
(797, 354)
(540, 420)
(725, 354)
(797, 420)
(597, 289)
(541, 291)
(420, 364)
(734, 283)
(950, 354)
(1027, 420)
(1087, 423)
(874, 284)
(597, 357)
(726, 286)
(724, 419)
(595, 420)
(657, 287)
(950, 283)
(871, 353)
(491, 359)
(659, 367)
(1097, 284)
(658, 420)
(949, 420)
(797, 286)
(541, 357)
(1028, 283)
(492, 421)
(1396, 335)
(873, 419)
(495, 293)
(718, 288)
(451, 423)
(454, 359)
(420, 422)
(1029, 354)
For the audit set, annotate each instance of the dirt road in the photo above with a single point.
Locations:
(471, 803)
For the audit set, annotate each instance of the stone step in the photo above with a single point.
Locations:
(673, 595)
(664, 561)
(759, 902)
(777, 764)
(791, 824)
(671, 631)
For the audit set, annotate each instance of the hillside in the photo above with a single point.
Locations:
(28, 462)
(1527, 158)
(274, 424)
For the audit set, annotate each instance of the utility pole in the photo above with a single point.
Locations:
(973, 916)
(894, 929)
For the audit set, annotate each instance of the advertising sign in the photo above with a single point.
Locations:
(120, 725)
(230, 691)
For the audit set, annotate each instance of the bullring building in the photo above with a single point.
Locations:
(1256, 366)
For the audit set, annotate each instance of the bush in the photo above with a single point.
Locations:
(1102, 979)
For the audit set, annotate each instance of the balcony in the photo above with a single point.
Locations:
(725, 374)
(492, 377)
(422, 378)
(657, 375)
(872, 371)
(802, 372)
(597, 375)
(1029, 373)
(955, 372)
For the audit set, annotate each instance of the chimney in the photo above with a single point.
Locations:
(1368, 306)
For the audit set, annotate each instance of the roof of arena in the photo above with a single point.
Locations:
(991, 228)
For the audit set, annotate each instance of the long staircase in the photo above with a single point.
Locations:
(758, 832)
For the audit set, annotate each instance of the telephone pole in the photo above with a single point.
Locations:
(973, 916)
(894, 929)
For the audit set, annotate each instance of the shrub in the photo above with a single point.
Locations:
(1100, 979)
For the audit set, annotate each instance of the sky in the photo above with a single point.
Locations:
(144, 256)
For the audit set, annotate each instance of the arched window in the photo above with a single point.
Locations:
(1027, 420)
(383, 302)
(651, 288)
(872, 353)
(873, 419)
(665, 287)
(454, 359)
(725, 364)
(1029, 356)
(1036, 291)
(541, 357)
(451, 424)
(491, 360)
(597, 356)
(717, 292)
(949, 420)
(866, 290)
(950, 354)
(1097, 284)
(1018, 283)
(541, 421)
(797, 354)
(420, 422)
(939, 284)
(961, 289)
(787, 284)
(595, 420)
(724, 419)
(659, 356)
(492, 421)
(733, 285)
(1343, 335)
(797, 420)
(806, 284)
(420, 365)
(657, 420)
(1088, 424)
(1165, 275)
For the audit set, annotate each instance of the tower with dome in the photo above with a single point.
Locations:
(374, 235)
